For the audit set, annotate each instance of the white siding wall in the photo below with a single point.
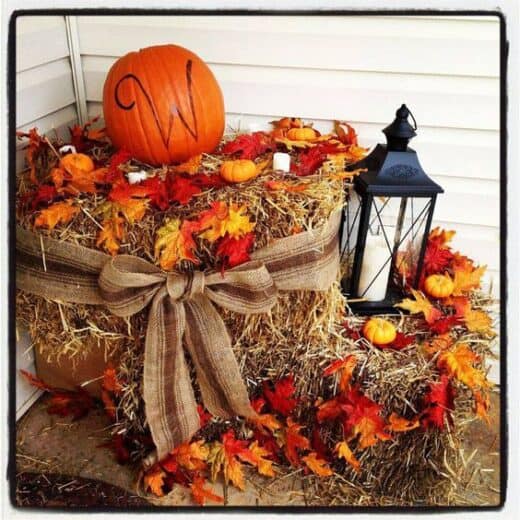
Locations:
(44, 88)
(359, 69)
(44, 99)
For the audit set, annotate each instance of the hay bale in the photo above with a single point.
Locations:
(301, 335)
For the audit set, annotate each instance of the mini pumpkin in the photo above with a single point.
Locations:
(73, 162)
(302, 134)
(238, 171)
(379, 331)
(439, 285)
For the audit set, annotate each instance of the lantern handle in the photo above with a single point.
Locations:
(413, 119)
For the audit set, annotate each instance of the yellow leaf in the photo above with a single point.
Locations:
(294, 144)
(174, 243)
(478, 321)
(154, 481)
(221, 219)
(420, 304)
(316, 465)
(400, 424)
(264, 466)
(344, 452)
(58, 213)
(233, 473)
(465, 280)
(458, 363)
(262, 165)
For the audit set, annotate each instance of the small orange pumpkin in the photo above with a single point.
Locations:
(73, 162)
(439, 285)
(379, 331)
(302, 134)
(238, 171)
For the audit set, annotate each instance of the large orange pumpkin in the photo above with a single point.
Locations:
(163, 105)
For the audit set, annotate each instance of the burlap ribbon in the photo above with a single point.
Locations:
(180, 307)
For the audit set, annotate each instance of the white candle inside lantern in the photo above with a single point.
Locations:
(281, 161)
(375, 255)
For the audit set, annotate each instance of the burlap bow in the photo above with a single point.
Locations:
(180, 307)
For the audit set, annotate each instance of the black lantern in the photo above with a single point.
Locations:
(386, 222)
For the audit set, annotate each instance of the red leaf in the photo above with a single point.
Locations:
(75, 403)
(235, 251)
(157, 192)
(118, 445)
(318, 445)
(438, 403)
(351, 332)
(268, 442)
(115, 174)
(258, 404)
(44, 194)
(208, 181)
(401, 341)
(281, 399)
(346, 133)
(436, 258)
(182, 188)
(330, 410)
(35, 381)
(204, 416)
(250, 146)
(445, 324)
(308, 161)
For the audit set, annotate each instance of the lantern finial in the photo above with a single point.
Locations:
(400, 131)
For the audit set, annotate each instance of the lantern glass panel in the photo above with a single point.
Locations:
(394, 239)
(416, 213)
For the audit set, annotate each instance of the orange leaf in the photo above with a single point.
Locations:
(316, 465)
(482, 405)
(191, 166)
(154, 481)
(294, 441)
(465, 280)
(108, 402)
(440, 236)
(438, 344)
(174, 243)
(57, 213)
(111, 234)
(363, 419)
(458, 363)
(420, 304)
(344, 452)
(76, 180)
(286, 186)
(397, 423)
(200, 494)
(266, 421)
(347, 366)
(191, 456)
